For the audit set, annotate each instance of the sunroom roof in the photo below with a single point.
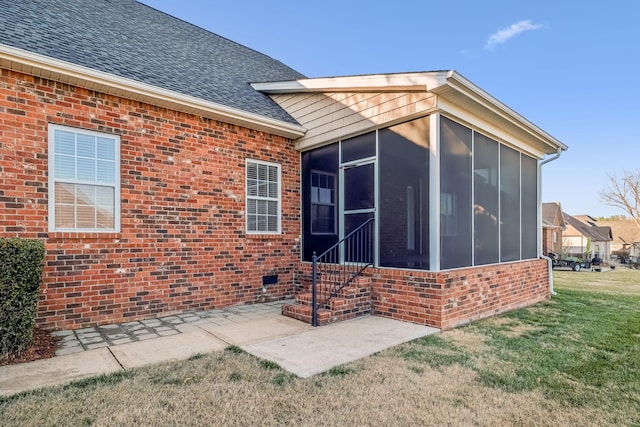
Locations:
(451, 87)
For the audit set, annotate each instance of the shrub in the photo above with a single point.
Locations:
(21, 263)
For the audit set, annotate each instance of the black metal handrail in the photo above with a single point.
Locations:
(339, 265)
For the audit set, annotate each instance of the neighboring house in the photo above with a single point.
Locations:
(585, 239)
(552, 227)
(626, 238)
(167, 168)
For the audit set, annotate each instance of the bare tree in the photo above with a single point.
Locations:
(624, 193)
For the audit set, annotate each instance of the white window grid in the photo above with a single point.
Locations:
(323, 194)
(84, 180)
(263, 199)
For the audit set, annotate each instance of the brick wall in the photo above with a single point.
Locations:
(183, 244)
(484, 291)
(451, 298)
(547, 240)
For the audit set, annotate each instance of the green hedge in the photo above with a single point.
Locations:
(21, 264)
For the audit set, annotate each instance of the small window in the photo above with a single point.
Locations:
(263, 197)
(323, 203)
(84, 180)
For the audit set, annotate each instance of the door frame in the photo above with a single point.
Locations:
(374, 210)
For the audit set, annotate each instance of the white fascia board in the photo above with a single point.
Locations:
(43, 66)
(366, 83)
(503, 132)
(460, 84)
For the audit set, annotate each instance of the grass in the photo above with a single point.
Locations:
(573, 360)
(433, 351)
(621, 281)
(339, 371)
(578, 345)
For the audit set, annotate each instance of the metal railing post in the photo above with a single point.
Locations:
(314, 307)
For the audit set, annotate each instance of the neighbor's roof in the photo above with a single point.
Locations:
(133, 41)
(622, 230)
(551, 211)
(595, 233)
(587, 219)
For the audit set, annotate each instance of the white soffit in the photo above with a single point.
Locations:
(46, 67)
(405, 82)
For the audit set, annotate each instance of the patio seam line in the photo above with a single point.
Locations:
(116, 358)
(215, 336)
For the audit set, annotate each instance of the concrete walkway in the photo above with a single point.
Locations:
(259, 329)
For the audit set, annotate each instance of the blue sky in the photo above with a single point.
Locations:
(572, 68)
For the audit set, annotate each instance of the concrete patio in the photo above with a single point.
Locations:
(259, 329)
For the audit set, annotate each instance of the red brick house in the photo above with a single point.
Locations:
(553, 225)
(168, 169)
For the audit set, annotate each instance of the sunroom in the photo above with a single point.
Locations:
(445, 176)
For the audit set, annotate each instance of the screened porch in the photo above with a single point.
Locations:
(442, 195)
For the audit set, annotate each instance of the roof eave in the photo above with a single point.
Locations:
(461, 85)
(50, 68)
(363, 83)
(446, 84)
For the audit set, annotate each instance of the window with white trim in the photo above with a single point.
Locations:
(323, 203)
(84, 180)
(263, 197)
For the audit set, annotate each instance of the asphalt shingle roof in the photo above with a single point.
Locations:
(132, 40)
(595, 233)
(551, 211)
(622, 230)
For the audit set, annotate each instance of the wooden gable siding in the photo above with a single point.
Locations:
(332, 116)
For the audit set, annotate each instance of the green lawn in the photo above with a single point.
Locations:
(573, 360)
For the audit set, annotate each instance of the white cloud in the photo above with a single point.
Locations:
(513, 30)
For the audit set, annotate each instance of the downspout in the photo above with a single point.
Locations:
(540, 254)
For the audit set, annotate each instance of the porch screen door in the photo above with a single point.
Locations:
(358, 203)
